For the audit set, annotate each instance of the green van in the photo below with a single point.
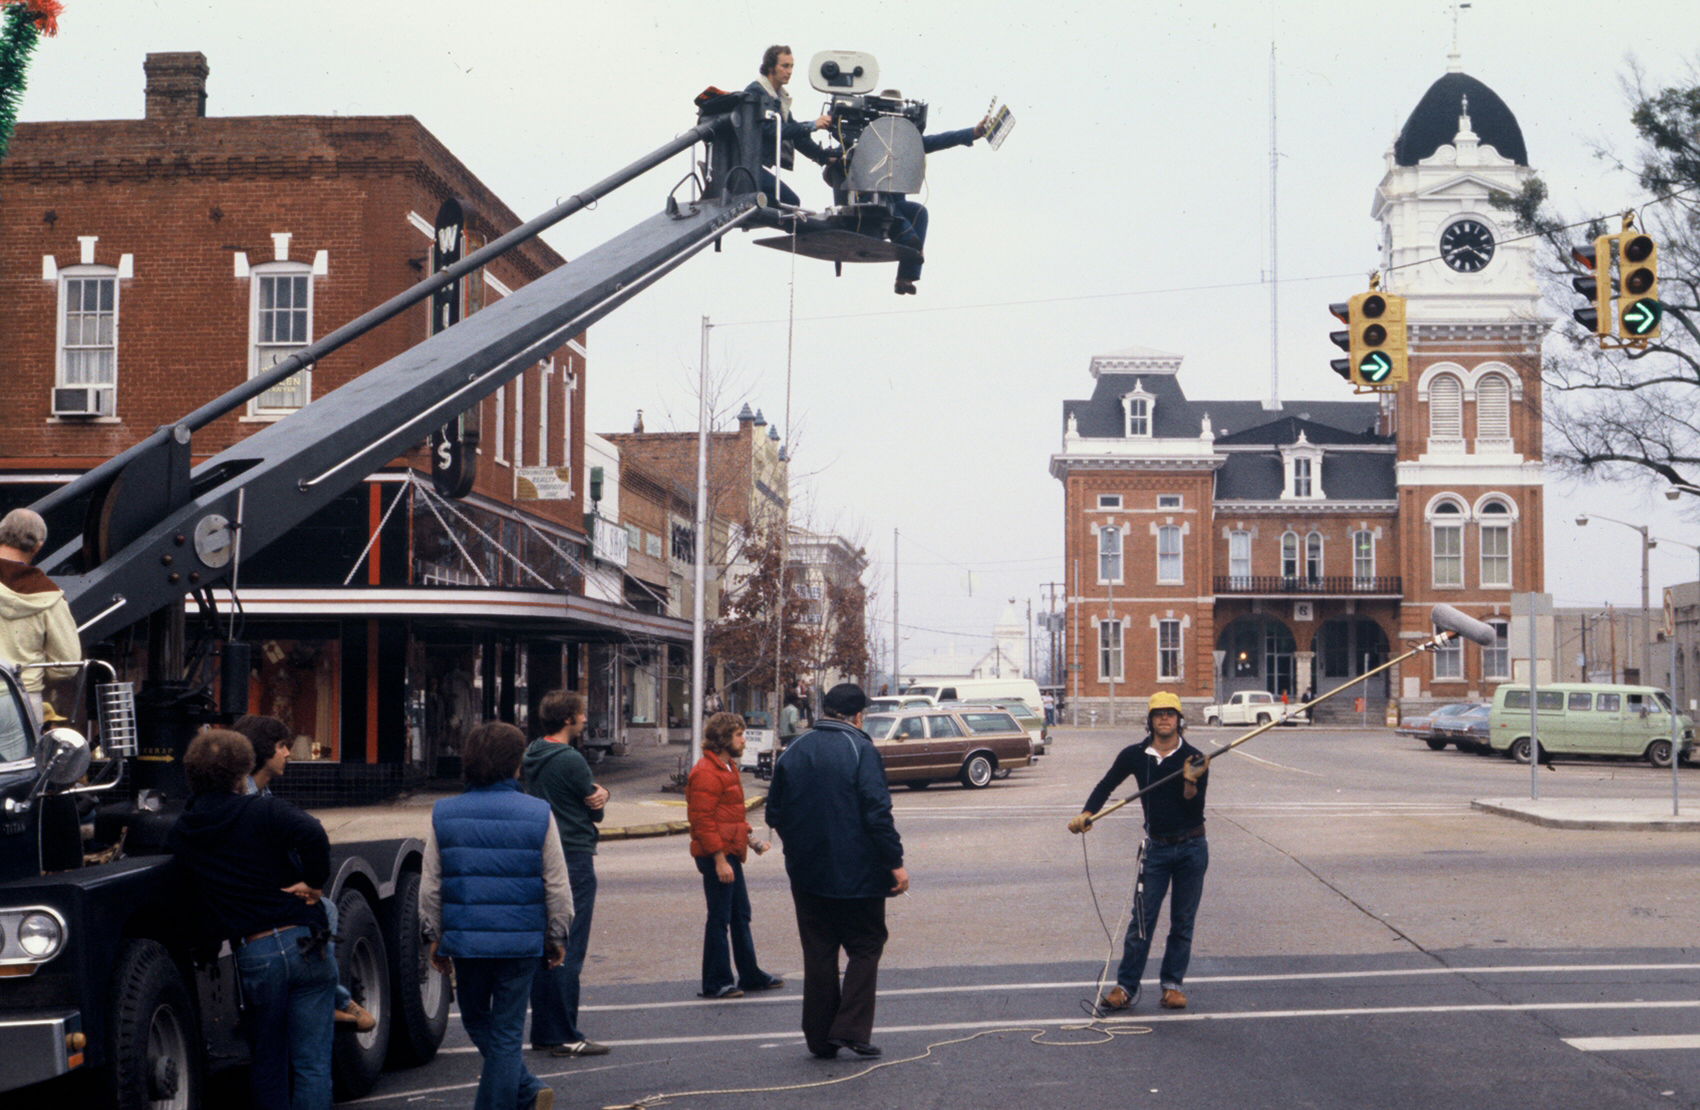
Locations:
(1589, 718)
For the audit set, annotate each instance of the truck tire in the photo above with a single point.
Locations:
(421, 991)
(364, 966)
(156, 1036)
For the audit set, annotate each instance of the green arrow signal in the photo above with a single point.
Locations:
(1375, 367)
(1642, 316)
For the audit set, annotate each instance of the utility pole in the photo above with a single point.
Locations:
(896, 673)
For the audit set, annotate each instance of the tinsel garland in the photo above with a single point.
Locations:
(25, 22)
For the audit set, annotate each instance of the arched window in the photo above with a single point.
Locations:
(1109, 554)
(1289, 555)
(1446, 529)
(1493, 409)
(1169, 554)
(1446, 408)
(1313, 556)
(1496, 544)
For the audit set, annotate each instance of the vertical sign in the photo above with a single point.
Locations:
(453, 447)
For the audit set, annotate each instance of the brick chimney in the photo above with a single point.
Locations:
(176, 86)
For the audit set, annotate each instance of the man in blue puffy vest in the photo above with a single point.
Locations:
(493, 896)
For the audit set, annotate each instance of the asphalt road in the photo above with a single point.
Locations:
(1366, 939)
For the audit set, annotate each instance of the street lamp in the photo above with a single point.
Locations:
(1647, 544)
(1677, 489)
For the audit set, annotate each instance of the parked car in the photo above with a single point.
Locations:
(892, 703)
(1591, 718)
(1033, 720)
(1422, 726)
(1244, 707)
(972, 744)
(1466, 731)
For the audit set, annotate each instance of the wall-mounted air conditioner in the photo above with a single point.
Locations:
(79, 400)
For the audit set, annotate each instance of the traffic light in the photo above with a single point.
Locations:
(1595, 286)
(1342, 339)
(1638, 307)
(1374, 340)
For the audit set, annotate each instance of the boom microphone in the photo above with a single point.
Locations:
(1448, 619)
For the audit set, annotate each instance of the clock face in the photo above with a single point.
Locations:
(1466, 245)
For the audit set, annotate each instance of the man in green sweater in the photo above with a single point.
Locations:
(556, 772)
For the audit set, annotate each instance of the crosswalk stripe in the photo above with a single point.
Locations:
(1634, 1044)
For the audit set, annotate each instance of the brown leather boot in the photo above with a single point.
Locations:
(1173, 999)
(1116, 998)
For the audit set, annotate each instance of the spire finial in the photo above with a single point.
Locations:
(1454, 64)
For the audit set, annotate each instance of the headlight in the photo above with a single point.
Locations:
(40, 936)
(30, 935)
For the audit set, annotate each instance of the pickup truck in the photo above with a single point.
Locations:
(1245, 707)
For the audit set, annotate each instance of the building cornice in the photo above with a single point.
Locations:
(1063, 463)
(1314, 508)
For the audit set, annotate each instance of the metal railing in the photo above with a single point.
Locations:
(1347, 585)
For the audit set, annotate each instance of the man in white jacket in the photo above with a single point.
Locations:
(35, 622)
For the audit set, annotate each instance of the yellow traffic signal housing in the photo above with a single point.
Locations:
(1379, 354)
(1639, 311)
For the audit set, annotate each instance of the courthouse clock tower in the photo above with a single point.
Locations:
(1468, 422)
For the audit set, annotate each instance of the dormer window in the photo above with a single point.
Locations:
(1137, 405)
(1301, 464)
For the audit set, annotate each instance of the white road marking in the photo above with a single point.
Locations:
(1089, 984)
(1633, 1044)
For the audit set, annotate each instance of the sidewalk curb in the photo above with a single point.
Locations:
(1523, 812)
(663, 828)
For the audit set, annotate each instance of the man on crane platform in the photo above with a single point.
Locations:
(777, 65)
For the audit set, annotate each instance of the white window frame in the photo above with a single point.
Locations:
(1171, 565)
(1169, 501)
(546, 370)
(1449, 661)
(1302, 481)
(1118, 555)
(519, 420)
(108, 406)
(1239, 557)
(1363, 538)
(295, 391)
(1493, 430)
(1451, 525)
(1109, 652)
(1109, 500)
(501, 436)
(1494, 527)
(1314, 552)
(1169, 654)
(1496, 660)
(1291, 555)
(1446, 412)
(1138, 418)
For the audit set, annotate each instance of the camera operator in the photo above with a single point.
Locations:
(776, 67)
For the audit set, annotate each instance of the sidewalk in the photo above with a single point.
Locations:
(1644, 814)
(637, 805)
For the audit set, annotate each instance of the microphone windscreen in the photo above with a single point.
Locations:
(1448, 619)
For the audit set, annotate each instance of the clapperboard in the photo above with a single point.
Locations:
(1001, 121)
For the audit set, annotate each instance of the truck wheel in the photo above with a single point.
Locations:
(357, 1058)
(1263, 718)
(421, 991)
(1658, 753)
(1519, 749)
(156, 1039)
(977, 771)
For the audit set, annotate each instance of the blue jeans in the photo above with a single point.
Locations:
(1180, 867)
(728, 913)
(288, 998)
(909, 229)
(786, 194)
(492, 995)
(554, 993)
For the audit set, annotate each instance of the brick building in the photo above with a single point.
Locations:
(1214, 546)
(149, 265)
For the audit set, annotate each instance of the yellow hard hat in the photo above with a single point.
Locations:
(1163, 699)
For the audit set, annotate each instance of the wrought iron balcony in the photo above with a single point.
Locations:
(1337, 585)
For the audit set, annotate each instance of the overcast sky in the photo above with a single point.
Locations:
(1128, 208)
